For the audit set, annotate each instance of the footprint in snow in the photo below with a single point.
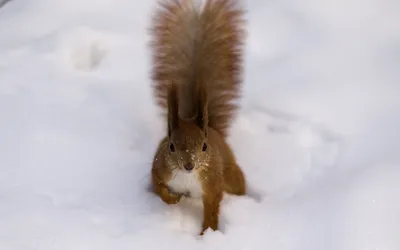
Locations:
(285, 150)
(84, 49)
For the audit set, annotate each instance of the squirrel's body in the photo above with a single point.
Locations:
(186, 183)
(197, 57)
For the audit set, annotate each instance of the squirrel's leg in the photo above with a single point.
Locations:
(234, 180)
(211, 202)
(163, 192)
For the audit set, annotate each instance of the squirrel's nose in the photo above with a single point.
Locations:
(188, 166)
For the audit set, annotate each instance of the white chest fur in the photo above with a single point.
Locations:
(186, 182)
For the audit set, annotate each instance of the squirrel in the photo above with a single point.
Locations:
(196, 75)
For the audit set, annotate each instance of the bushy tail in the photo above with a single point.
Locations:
(199, 46)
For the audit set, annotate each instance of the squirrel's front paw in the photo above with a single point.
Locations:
(170, 198)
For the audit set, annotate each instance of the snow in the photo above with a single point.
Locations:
(317, 135)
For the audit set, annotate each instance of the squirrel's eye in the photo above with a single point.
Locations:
(172, 147)
(204, 147)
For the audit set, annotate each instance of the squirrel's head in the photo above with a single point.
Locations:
(188, 144)
(188, 147)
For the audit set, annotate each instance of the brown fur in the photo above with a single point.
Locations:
(197, 66)
(191, 47)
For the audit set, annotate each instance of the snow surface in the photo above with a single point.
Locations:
(317, 136)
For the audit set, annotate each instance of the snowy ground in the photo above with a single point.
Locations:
(318, 135)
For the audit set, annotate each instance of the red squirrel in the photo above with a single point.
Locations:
(197, 56)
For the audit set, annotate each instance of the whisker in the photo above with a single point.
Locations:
(224, 163)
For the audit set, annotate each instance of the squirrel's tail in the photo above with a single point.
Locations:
(199, 46)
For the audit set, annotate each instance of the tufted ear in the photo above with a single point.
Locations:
(202, 110)
(173, 117)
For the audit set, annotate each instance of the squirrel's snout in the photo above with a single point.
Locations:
(188, 166)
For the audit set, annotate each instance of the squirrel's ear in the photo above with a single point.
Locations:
(202, 112)
(173, 117)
